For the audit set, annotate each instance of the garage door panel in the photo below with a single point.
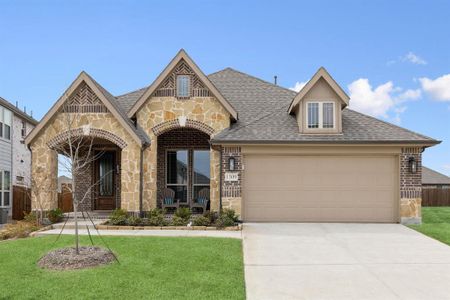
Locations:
(320, 188)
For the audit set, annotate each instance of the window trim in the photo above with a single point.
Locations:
(189, 88)
(168, 185)
(320, 103)
(3, 191)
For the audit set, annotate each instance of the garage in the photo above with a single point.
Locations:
(307, 188)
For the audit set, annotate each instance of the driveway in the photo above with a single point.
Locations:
(343, 261)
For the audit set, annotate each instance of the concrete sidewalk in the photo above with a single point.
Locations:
(173, 233)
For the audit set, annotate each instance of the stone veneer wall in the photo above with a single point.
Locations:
(410, 187)
(231, 190)
(157, 110)
(45, 162)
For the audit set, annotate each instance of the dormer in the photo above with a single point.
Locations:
(318, 105)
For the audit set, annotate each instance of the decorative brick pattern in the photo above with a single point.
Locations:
(410, 186)
(84, 100)
(93, 132)
(231, 190)
(175, 123)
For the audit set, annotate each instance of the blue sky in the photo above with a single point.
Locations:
(392, 57)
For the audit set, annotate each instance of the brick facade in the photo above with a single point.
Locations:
(410, 186)
(183, 139)
(231, 190)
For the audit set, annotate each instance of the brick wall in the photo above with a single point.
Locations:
(231, 188)
(181, 138)
(410, 187)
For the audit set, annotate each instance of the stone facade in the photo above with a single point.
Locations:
(231, 190)
(410, 187)
(197, 110)
(44, 159)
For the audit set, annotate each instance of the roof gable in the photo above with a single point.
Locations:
(430, 176)
(98, 95)
(180, 58)
(322, 73)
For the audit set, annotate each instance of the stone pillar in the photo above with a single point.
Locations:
(215, 179)
(150, 177)
(410, 187)
(44, 172)
(130, 168)
(231, 190)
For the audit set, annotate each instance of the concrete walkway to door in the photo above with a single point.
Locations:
(343, 261)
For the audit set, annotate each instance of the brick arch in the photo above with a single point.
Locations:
(92, 132)
(175, 123)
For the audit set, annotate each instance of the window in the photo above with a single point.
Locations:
(183, 86)
(177, 173)
(201, 171)
(320, 115)
(5, 123)
(5, 188)
(24, 129)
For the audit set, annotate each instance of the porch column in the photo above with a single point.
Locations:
(44, 172)
(215, 179)
(130, 168)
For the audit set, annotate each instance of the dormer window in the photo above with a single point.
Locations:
(183, 86)
(320, 115)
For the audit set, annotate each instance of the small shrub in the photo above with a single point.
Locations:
(30, 217)
(19, 230)
(134, 221)
(201, 221)
(179, 221)
(183, 213)
(227, 218)
(155, 217)
(118, 217)
(211, 216)
(55, 215)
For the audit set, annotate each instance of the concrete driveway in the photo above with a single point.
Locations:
(343, 261)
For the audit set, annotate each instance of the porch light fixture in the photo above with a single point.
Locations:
(412, 165)
(231, 163)
(182, 121)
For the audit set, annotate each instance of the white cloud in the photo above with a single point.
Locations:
(438, 88)
(382, 101)
(413, 58)
(298, 86)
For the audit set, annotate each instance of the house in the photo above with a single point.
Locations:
(15, 157)
(432, 179)
(266, 151)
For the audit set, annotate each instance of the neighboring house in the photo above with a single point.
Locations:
(434, 180)
(268, 152)
(15, 157)
(63, 181)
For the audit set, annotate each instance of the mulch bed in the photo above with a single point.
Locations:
(67, 259)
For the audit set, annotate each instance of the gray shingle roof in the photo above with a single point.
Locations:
(430, 176)
(262, 108)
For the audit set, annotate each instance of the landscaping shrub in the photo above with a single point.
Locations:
(227, 218)
(30, 217)
(201, 221)
(118, 217)
(134, 221)
(155, 217)
(211, 216)
(179, 221)
(55, 215)
(20, 229)
(184, 213)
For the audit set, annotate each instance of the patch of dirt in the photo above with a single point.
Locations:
(67, 259)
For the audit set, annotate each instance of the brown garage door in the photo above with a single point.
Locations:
(320, 188)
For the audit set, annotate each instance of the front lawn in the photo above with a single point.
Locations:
(150, 268)
(435, 223)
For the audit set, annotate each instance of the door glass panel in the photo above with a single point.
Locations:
(106, 174)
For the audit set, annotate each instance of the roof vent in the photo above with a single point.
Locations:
(275, 79)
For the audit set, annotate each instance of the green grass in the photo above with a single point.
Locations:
(150, 268)
(435, 223)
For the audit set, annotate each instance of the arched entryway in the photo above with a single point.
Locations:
(98, 176)
(183, 163)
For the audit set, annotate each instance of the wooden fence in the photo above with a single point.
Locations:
(21, 202)
(435, 197)
(65, 202)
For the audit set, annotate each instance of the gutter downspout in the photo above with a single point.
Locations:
(220, 181)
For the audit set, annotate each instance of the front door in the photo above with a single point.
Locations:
(104, 180)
